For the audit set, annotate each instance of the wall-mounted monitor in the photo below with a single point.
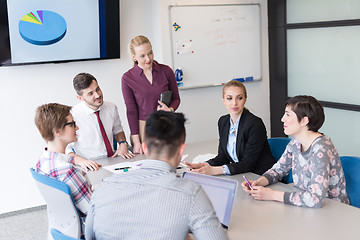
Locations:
(52, 31)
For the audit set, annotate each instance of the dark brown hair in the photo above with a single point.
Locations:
(307, 106)
(82, 81)
(164, 132)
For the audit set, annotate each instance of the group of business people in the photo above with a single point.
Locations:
(152, 197)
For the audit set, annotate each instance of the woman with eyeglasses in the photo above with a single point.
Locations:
(58, 128)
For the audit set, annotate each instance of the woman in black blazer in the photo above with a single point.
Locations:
(243, 145)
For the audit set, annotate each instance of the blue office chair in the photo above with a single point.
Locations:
(277, 148)
(57, 235)
(62, 211)
(351, 167)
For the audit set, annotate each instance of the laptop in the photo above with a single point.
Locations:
(220, 191)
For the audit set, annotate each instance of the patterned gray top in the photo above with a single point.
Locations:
(317, 171)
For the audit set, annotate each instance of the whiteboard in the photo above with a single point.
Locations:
(213, 44)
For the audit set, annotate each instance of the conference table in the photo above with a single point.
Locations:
(253, 219)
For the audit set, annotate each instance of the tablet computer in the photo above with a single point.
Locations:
(165, 97)
(220, 191)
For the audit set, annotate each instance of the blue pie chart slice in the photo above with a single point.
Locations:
(42, 27)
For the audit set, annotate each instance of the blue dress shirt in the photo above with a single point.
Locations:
(231, 144)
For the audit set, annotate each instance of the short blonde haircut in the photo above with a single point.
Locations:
(137, 41)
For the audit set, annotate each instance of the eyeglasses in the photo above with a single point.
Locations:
(72, 124)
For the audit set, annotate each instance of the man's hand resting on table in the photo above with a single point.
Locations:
(124, 152)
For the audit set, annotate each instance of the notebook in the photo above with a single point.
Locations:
(220, 191)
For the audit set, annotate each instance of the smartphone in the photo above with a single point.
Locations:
(248, 182)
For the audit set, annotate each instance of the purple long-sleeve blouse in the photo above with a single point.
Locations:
(141, 96)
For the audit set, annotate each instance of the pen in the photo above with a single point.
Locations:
(248, 182)
(122, 168)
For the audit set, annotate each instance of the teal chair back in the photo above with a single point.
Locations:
(62, 211)
(351, 167)
(277, 148)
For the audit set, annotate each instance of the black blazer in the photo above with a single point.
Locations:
(252, 147)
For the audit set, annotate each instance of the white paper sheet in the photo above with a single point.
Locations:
(204, 157)
(129, 165)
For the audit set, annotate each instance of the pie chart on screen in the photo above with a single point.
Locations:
(42, 27)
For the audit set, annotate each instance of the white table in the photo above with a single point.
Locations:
(252, 219)
(192, 150)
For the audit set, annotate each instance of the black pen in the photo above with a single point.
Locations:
(122, 168)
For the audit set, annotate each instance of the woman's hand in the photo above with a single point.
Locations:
(193, 165)
(262, 181)
(163, 107)
(85, 163)
(246, 186)
(137, 148)
(263, 193)
(259, 192)
(205, 168)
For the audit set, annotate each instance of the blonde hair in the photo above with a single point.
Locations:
(137, 41)
(234, 83)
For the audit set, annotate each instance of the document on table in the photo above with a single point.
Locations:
(124, 166)
(204, 157)
(128, 166)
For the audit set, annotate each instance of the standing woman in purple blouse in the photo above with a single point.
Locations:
(142, 86)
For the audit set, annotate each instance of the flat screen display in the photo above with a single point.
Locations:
(38, 31)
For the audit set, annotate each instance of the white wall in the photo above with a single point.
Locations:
(23, 88)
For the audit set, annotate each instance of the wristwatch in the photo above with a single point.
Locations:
(123, 142)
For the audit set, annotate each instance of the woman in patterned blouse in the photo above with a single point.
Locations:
(315, 163)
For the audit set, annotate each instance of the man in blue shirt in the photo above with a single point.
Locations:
(151, 202)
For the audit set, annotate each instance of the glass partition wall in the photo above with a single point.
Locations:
(318, 41)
